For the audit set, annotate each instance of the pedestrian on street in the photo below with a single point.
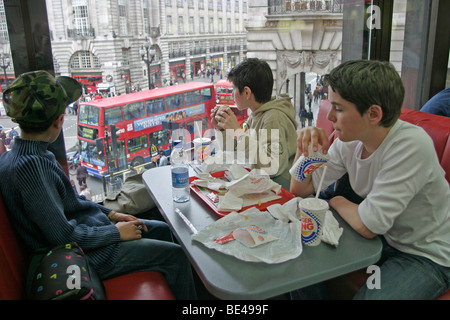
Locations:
(82, 174)
(86, 192)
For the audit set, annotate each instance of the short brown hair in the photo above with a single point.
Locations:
(369, 82)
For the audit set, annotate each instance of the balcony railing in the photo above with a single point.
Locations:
(304, 6)
(177, 54)
(81, 33)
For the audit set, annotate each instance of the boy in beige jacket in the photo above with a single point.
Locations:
(269, 139)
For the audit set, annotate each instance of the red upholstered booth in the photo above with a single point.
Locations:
(438, 127)
(146, 285)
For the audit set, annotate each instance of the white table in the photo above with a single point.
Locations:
(227, 277)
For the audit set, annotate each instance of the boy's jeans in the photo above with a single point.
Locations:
(155, 251)
(407, 276)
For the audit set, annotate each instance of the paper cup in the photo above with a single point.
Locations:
(312, 213)
(305, 166)
(202, 149)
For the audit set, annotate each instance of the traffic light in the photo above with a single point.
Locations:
(114, 133)
(99, 146)
(114, 136)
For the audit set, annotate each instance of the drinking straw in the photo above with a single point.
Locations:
(331, 135)
(199, 130)
(321, 180)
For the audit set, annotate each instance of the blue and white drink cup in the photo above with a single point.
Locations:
(312, 215)
(305, 166)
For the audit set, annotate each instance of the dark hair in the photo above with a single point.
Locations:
(368, 82)
(255, 74)
(33, 130)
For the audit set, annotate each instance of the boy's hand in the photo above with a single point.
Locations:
(314, 136)
(226, 119)
(130, 230)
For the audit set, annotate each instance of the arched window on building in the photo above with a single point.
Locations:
(86, 68)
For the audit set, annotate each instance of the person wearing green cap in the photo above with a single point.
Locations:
(46, 211)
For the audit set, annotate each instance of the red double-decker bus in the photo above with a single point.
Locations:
(224, 96)
(131, 129)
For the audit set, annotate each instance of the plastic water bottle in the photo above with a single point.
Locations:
(180, 173)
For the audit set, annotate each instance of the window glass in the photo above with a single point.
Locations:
(113, 115)
(87, 132)
(409, 43)
(89, 153)
(137, 143)
(206, 94)
(159, 138)
(192, 97)
(221, 89)
(155, 106)
(174, 101)
(134, 110)
(88, 114)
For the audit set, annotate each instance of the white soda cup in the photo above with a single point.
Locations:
(312, 211)
(202, 149)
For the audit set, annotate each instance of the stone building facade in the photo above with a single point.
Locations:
(102, 41)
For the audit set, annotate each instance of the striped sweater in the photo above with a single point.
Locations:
(46, 211)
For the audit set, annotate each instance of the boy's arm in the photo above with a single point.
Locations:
(349, 212)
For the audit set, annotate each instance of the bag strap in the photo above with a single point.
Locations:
(36, 258)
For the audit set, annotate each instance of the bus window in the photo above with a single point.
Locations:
(155, 106)
(137, 143)
(134, 110)
(192, 126)
(230, 90)
(113, 115)
(206, 94)
(205, 124)
(89, 154)
(192, 97)
(159, 138)
(88, 115)
(221, 90)
(174, 101)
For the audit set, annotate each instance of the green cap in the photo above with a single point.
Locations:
(37, 98)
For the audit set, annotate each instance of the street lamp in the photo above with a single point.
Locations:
(148, 55)
(5, 62)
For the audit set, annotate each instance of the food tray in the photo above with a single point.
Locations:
(203, 193)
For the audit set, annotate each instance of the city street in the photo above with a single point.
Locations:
(70, 133)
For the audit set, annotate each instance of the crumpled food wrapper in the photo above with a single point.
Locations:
(253, 182)
(207, 181)
(251, 236)
(235, 172)
(250, 188)
(287, 246)
(331, 230)
(291, 212)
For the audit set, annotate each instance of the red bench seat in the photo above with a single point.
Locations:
(145, 285)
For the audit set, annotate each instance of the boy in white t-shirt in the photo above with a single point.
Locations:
(393, 167)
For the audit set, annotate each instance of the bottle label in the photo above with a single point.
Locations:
(180, 177)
